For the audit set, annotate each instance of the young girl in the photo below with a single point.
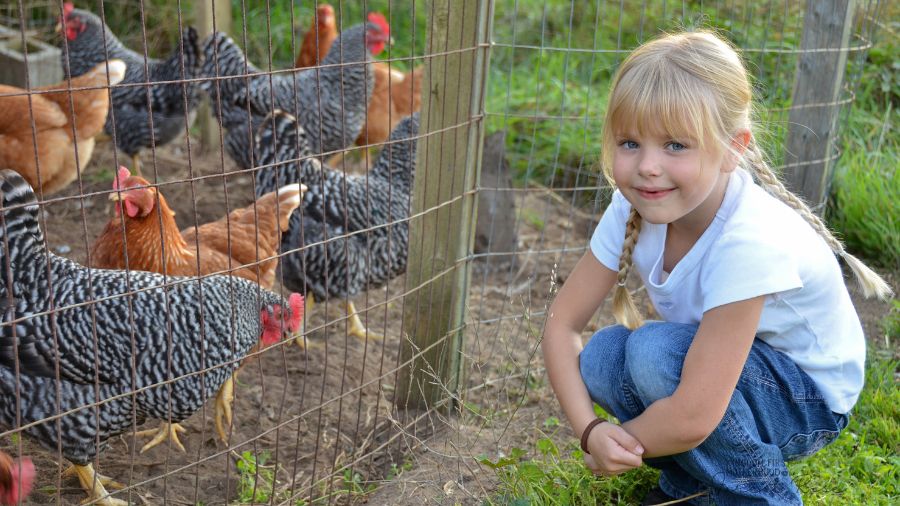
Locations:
(760, 355)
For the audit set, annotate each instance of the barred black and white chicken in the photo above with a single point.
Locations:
(89, 41)
(119, 358)
(351, 232)
(330, 102)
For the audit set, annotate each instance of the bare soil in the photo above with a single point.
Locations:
(315, 411)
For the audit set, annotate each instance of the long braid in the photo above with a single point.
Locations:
(624, 309)
(869, 281)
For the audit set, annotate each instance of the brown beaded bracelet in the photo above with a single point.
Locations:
(587, 432)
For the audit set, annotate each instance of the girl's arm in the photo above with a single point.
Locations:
(710, 373)
(578, 299)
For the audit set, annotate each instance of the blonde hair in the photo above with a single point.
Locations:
(695, 83)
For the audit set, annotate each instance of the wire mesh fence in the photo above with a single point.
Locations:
(90, 357)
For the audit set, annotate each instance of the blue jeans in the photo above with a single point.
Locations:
(776, 413)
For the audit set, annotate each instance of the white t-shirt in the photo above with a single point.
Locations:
(756, 245)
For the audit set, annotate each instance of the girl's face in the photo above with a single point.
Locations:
(672, 180)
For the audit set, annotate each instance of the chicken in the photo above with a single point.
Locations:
(16, 478)
(396, 94)
(318, 39)
(351, 233)
(130, 123)
(112, 360)
(330, 102)
(246, 243)
(61, 150)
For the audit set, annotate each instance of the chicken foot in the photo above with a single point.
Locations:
(356, 329)
(94, 484)
(165, 431)
(356, 325)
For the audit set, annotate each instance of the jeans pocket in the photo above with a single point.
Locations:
(804, 445)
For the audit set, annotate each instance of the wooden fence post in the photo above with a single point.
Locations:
(809, 147)
(204, 10)
(447, 166)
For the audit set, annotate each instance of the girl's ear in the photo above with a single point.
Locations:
(740, 141)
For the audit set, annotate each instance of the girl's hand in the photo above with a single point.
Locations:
(613, 450)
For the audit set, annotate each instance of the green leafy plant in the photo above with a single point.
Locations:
(256, 481)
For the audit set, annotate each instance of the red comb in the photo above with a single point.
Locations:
(22, 477)
(297, 308)
(121, 176)
(68, 7)
(379, 19)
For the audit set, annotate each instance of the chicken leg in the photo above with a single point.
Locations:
(165, 431)
(136, 162)
(224, 400)
(94, 484)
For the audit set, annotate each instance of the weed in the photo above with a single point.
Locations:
(396, 470)
(256, 481)
(355, 485)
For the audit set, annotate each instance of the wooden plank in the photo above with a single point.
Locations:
(447, 166)
(811, 138)
(208, 12)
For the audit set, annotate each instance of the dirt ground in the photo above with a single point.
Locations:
(313, 413)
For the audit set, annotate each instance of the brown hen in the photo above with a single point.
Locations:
(396, 95)
(253, 235)
(53, 117)
(313, 50)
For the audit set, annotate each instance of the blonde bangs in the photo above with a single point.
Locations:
(657, 93)
(656, 103)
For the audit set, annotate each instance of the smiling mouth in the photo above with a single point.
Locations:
(653, 194)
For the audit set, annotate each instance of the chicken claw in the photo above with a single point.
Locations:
(224, 400)
(356, 325)
(94, 484)
(165, 431)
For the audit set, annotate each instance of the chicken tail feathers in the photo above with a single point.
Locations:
(20, 233)
(223, 58)
(281, 145)
(193, 56)
(399, 157)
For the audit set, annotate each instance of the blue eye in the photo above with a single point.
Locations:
(628, 144)
(676, 146)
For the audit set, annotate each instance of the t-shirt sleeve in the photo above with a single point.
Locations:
(609, 236)
(745, 265)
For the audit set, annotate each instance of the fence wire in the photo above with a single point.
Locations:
(89, 357)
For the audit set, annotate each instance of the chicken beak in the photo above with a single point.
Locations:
(303, 188)
(115, 197)
(58, 27)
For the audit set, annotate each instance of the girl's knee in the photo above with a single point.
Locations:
(602, 360)
(654, 356)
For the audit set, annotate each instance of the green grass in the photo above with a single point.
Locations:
(866, 188)
(861, 467)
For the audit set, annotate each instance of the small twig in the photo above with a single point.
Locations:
(683, 499)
